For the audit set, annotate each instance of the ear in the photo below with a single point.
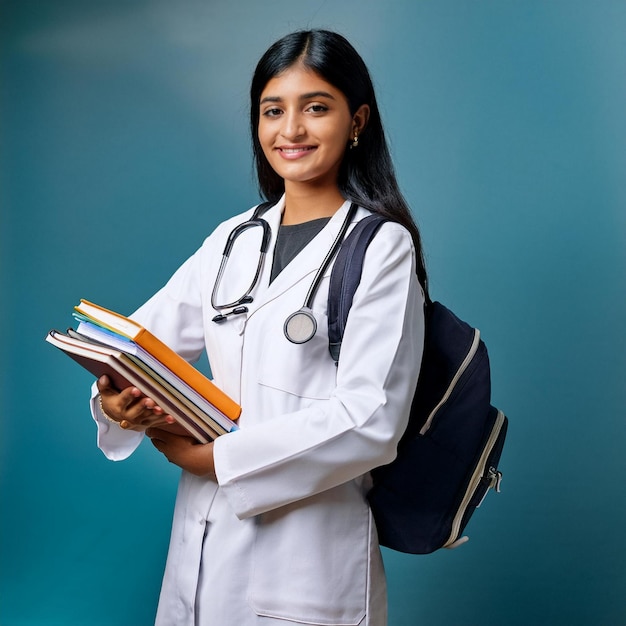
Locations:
(360, 118)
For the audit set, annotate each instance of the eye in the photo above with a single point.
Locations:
(317, 108)
(273, 112)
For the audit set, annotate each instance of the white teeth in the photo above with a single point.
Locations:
(294, 150)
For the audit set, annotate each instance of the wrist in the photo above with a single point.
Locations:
(122, 424)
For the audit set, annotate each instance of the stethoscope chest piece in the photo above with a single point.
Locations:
(300, 326)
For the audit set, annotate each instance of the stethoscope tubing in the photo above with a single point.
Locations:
(308, 301)
(301, 325)
(246, 298)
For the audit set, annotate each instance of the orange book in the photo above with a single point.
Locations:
(160, 351)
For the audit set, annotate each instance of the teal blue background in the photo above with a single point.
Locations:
(124, 142)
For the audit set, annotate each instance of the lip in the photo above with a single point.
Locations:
(295, 152)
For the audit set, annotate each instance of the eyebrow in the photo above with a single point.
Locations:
(304, 96)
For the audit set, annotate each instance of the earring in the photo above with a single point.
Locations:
(355, 141)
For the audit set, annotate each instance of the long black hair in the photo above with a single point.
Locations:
(366, 175)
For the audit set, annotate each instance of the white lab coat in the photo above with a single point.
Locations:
(287, 536)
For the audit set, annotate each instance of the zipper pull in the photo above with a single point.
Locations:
(457, 543)
(495, 479)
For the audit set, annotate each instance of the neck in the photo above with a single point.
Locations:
(301, 205)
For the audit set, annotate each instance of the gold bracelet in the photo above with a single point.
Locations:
(106, 415)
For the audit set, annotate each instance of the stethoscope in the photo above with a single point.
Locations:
(301, 325)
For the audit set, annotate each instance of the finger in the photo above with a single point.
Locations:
(151, 411)
(164, 418)
(114, 402)
(135, 425)
(134, 398)
(150, 404)
(131, 396)
(138, 408)
(161, 419)
(131, 425)
(152, 421)
(104, 385)
(146, 413)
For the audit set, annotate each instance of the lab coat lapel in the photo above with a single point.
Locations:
(307, 262)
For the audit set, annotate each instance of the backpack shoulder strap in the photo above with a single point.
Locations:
(345, 278)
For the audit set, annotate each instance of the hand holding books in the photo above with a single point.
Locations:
(129, 408)
(134, 411)
(184, 451)
(106, 343)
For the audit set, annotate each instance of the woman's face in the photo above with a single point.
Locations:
(305, 126)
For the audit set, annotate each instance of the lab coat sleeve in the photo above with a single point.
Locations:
(333, 441)
(116, 444)
(174, 314)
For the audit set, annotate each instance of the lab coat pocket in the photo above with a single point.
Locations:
(317, 552)
(305, 370)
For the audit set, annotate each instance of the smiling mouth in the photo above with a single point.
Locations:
(296, 150)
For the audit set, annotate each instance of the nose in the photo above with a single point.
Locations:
(293, 128)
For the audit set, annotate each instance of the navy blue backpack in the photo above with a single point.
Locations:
(448, 457)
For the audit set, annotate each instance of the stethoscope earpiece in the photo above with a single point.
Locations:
(222, 317)
(300, 326)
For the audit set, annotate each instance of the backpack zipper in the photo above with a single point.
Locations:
(466, 361)
(493, 475)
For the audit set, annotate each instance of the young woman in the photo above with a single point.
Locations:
(271, 524)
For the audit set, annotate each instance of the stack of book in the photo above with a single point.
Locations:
(105, 342)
